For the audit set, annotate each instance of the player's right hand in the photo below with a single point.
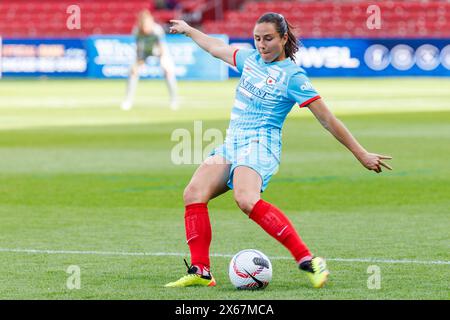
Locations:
(179, 26)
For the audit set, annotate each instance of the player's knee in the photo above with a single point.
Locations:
(192, 194)
(245, 201)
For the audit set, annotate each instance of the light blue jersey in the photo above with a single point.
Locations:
(265, 95)
(267, 92)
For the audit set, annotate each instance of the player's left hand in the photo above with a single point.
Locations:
(373, 161)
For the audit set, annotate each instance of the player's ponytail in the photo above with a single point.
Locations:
(283, 27)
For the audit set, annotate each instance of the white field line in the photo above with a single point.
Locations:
(178, 254)
(339, 105)
(90, 102)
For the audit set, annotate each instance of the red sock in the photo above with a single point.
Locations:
(275, 223)
(198, 233)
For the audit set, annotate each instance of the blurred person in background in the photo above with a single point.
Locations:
(150, 42)
(166, 4)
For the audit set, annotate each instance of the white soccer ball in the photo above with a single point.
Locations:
(250, 269)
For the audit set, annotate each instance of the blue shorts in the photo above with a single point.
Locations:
(257, 153)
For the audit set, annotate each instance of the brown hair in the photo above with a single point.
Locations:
(282, 26)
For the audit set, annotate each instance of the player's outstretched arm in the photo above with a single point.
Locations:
(216, 47)
(371, 161)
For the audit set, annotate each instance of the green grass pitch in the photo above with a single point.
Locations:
(86, 184)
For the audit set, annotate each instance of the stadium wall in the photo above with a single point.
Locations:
(110, 57)
(1, 57)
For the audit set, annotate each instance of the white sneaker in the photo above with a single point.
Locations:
(126, 105)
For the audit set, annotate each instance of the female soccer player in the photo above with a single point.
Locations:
(150, 41)
(271, 83)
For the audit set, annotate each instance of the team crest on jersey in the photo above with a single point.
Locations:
(270, 81)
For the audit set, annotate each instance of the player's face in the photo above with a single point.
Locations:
(268, 42)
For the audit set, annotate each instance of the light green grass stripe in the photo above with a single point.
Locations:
(178, 254)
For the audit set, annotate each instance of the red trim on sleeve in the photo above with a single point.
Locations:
(234, 57)
(304, 104)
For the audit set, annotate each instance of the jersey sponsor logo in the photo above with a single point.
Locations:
(306, 86)
(249, 87)
(270, 81)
